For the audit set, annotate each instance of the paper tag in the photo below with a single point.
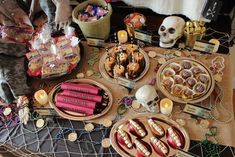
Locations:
(46, 111)
(144, 36)
(95, 42)
(203, 46)
(126, 83)
(181, 153)
(197, 111)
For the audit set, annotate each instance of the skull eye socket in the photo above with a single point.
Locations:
(171, 30)
(149, 103)
(157, 98)
(162, 28)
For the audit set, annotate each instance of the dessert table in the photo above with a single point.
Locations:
(52, 139)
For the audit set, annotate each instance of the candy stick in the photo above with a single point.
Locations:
(85, 88)
(79, 109)
(84, 96)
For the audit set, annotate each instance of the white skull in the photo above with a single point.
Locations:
(148, 97)
(170, 31)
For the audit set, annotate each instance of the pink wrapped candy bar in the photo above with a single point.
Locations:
(76, 101)
(85, 88)
(83, 96)
(75, 108)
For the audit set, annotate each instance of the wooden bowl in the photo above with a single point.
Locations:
(209, 87)
(74, 115)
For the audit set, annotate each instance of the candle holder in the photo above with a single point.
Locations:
(41, 97)
(166, 106)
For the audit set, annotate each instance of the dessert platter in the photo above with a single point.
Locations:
(127, 61)
(146, 135)
(80, 99)
(185, 80)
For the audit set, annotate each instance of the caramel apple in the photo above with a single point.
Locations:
(133, 69)
(118, 71)
(109, 64)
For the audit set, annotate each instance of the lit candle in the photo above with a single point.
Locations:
(122, 36)
(41, 97)
(166, 106)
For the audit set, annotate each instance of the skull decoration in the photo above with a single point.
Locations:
(148, 97)
(170, 31)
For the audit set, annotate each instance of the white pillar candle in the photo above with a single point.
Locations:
(41, 97)
(166, 106)
(122, 36)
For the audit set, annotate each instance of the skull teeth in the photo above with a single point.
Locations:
(156, 126)
(142, 148)
(138, 128)
(124, 136)
(159, 144)
(174, 137)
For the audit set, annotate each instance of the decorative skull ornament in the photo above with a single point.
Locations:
(170, 31)
(148, 97)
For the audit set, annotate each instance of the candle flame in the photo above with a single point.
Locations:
(166, 105)
(41, 96)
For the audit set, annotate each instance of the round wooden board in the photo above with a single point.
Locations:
(202, 97)
(77, 116)
(143, 118)
(109, 78)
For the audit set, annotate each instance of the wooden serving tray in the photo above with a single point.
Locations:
(209, 87)
(163, 120)
(74, 115)
(111, 79)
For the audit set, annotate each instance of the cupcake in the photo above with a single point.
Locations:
(178, 79)
(188, 93)
(190, 82)
(196, 70)
(177, 89)
(186, 64)
(168, 82)
(168, 72)
(199, 88)
(118, 71)
(186, 73)
(133, 70)
(204, 78)
(175, 66)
